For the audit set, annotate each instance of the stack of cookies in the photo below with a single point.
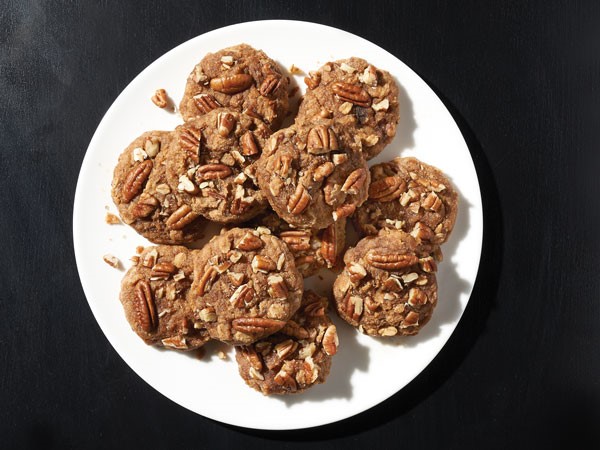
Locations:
(283, 197)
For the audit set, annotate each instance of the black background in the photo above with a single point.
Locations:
(521, 79)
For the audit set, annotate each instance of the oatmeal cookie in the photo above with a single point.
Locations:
(211, 165)
(388, 286)
(246, 285)
(154, 296)
(412, 196)
(313, 176)
(360, 97)
(312, 249)
(297, 357)
(143, 197)
(241, 78)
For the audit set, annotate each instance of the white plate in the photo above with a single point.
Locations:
(366, 370)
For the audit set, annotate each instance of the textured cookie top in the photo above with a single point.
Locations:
(388, 285)
(210, 164)
(246, 285)
(360, 97)
(241, 78)
(312, 249)
(297, 357)
(313, 176)
(143, 196)
(154, 296)
(412, 196)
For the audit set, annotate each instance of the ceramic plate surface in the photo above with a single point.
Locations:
(366, 370)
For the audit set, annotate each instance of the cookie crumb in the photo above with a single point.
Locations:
(221, 354)
(139, 249)
(160, 98)
(111, 219)
(294, 70)
(112, 260)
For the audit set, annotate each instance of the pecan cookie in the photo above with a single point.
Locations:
(241, 78)
(246, 285)
(210, 165)
(388, 286)
(360, 97)
(154, 294)
(312, 249)
(313, 176)
(143, 197)
(412, 196)
(297, 357)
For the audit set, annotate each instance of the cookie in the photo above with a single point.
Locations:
(154, 295)
(412, 196)
(360, 97)
(143, 197)
(246, 285)
(313, 176)
(241, 78)
(312, 249)
(388, 286)
(296, 358)
(211, 165)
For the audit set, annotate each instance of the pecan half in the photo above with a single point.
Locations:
(281, 164)
(351, 93)
(249, 242)
(294, 330)
(248, 144)
(182, 217)
(205, 103)
(134, 182)
(299, 200)
(257, 325)
(212, 172)
(386, 189)
(144, 306)
(206, 280)
(355, 181)
(320, 140)
(270, 85)
(242, 295)
(225, 123)
(232, 84)
(189, 140)
(145, 206)
(390, 261)
(162, 271)
(330, 340)
(329, 245)
(296, 240)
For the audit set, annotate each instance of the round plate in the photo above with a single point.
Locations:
(366, 370)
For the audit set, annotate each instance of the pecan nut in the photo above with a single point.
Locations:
(263, 264)
(351, 93)
(248, 144)
(320, 140)
(134, 182)
(296, 240)
(189, 140)
(182, 217)
(144, 307)
(277, 287)
(242, 295)
(390, 261)
(160, 98)
(386, 189)
(225, 123)
(231, 84)
(257, 325)
(294, 330)
(299, 200)
(145, 206)
(345, 210)
(249, 242)
(212, 172)
(206, 281)
(330, 340)
(323, 171)
(284, 379)
(270, 85)
(205, 103)
(251, 356)
(313, 80)
(162, 271)
(355, 181)
(329, 245)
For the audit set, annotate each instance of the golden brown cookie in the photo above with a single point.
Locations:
(358, 96)
(144, 198)
(313, 176)
(388, 286)
(154, 295)
(411, 196)
(241, 78)
(210, 164)
(296, 358)
(246, 285)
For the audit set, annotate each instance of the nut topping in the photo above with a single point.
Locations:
(344, 211)
(248, 144)
(205, 103)
(432, 202)
(270, 85)
(160, 98)
(231, 84)
(182, 217)
(356, 272)
(225, 123)
(330, 340)
(386, 189)
(328, 246)
(206, 281)
(321, 140)
(351, 93)
(286, 380)
(390, 261)
(144, 206)
(212, 172)
(294, 330)
(257, 325)
(144, 307)
(296, 240)
(162, 271)
(323, 171)
(277, 287)
(242, 295)
(252, 357)
(299, 200)
(263, 264)
(135, 180)
(249, 242)
(355, 181)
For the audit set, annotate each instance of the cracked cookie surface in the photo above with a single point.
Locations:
(241, 78)
(388, 286)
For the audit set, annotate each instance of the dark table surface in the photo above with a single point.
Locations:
(522, 80)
